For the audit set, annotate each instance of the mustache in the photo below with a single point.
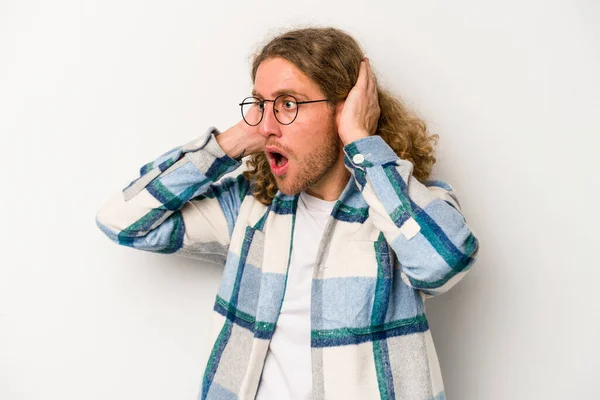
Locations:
(283, 148)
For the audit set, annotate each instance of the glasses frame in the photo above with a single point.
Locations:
(275, 111)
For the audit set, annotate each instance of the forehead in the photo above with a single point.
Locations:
(275, 76)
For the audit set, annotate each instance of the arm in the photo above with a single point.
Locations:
(422, 223)
(178, 205)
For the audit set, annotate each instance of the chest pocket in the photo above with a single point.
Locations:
(368, 285)
(377, 299)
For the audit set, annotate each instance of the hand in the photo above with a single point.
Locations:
(242, 140)
(357, 116)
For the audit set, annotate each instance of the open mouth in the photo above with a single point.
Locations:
(280, 159)
(278, 162)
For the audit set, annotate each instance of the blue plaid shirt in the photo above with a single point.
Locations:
(390, 242)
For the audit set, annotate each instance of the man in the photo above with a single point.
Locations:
(330, 241)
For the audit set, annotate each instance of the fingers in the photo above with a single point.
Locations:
(372, 95)
(368, 73)
(366, 77)
(371, 79)
(363, 75)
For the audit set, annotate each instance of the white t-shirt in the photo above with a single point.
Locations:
(287, 374)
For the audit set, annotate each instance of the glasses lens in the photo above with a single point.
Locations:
(251, 110)
(286, 109)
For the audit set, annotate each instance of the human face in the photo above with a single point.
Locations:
(305, 154)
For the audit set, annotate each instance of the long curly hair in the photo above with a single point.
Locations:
(331, 58)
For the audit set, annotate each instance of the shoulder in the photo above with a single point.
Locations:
(444, 190)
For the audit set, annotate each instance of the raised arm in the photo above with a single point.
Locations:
(421, 222)
(180, 204)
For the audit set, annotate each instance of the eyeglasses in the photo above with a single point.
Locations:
(285, 108)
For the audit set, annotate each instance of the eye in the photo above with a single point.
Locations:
(289, 105)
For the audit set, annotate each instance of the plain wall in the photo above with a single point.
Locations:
(90, 91)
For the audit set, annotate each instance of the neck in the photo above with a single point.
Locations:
(332, 184)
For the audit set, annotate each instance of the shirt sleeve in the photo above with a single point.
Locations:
(422, 222)
(179, 203)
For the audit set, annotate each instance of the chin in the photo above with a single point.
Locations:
(288, 187)
(287, 190)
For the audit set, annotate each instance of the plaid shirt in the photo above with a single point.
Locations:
(390, 242)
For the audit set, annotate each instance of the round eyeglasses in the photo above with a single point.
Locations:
(285, 108)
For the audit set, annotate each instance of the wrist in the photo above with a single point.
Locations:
(231, 144)
(353, 136)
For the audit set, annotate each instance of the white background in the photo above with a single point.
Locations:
(90, 91)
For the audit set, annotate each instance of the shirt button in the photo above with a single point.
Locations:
(358, 159)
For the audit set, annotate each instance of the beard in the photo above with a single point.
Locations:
(313, 167)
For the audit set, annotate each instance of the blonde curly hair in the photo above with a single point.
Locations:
(331, 58)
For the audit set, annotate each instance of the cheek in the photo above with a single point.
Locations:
(310, 136)
(300, 141)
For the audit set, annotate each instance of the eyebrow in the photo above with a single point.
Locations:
(280, 92)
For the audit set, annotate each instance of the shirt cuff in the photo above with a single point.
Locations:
(208, 156)
(368, 152)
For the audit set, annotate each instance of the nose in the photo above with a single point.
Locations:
(269, 124)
